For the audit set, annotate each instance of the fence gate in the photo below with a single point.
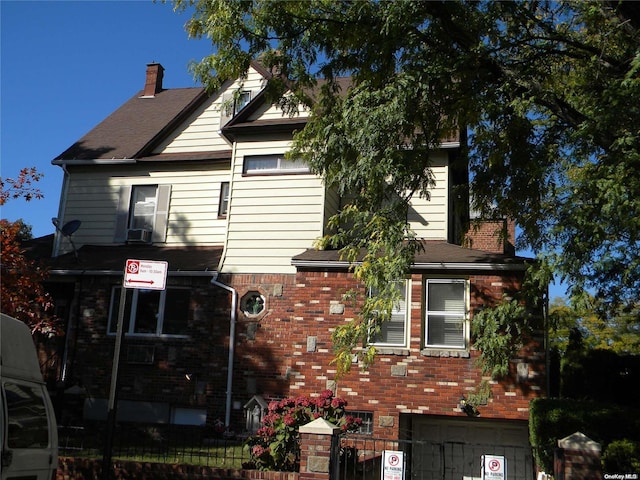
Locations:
(360, 458)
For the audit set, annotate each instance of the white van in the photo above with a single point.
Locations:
(28, 435)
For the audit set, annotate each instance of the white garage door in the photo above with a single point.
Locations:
(452, 448)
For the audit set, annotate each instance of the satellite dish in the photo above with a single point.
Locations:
(70, 227)
(67, 230)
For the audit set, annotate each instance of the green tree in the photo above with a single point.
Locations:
(584, 320)
(548, 93)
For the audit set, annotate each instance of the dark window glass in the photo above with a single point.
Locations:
(176, 312)
(27, 422)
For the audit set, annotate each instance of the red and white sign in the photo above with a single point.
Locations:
(145, 274)
(393, 465)
(494, 467)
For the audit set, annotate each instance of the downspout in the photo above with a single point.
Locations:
(232, 341)
(234, 301)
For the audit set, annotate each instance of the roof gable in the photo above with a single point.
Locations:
(129, 131)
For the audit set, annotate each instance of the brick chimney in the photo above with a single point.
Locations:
(496, 236)
(153, 84)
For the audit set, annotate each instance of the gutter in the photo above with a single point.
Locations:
(232, 341)
(418, 266)
(184, 273)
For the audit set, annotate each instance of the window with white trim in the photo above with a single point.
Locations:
(143, 206)
(223, 206)
(393, 332)
(142, 213)
(366, 427)
(446, 313)
(151, 312)
(272, 164)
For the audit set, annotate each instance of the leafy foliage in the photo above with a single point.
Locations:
(597, 327)
(499, 334)
(276, 444)
(22, 294)
(553, 419)
(621, 456)
(21, 187)
(548, 94)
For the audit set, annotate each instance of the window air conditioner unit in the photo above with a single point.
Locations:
(138, 235)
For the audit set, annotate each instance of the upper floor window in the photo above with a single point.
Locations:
(447, 313)
(241, 101)
(393, 332)
(223, 205)
(272, 164)
(232, 103)
(143, 206)
(142, 213)
(151, 312)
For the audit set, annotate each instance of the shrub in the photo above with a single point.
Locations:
(553, 419)
(622, 456)
(275, 446)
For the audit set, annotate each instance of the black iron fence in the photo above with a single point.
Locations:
(361, 458)
(155, 444)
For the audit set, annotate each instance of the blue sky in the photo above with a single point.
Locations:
(65, 66)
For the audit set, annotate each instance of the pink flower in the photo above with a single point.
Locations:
(259, 450)
(326, 394)
(289, 420)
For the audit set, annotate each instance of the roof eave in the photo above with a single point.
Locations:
(440, 266)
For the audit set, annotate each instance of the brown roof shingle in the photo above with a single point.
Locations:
(131, 130)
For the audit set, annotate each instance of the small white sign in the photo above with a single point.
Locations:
(393, 465)
(145, 274)
(494, 467)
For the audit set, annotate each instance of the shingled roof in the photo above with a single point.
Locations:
(131, 130)
(112, 258)
(435, 255)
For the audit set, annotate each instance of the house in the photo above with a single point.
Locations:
(200, 181)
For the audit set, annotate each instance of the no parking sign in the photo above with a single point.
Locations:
(494, 467)
(393, 465)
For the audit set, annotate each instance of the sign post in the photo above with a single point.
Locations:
(140, 274)
(393, 465)
(494, 467)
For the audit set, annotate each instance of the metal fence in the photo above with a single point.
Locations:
(361, 459)
(155, 444)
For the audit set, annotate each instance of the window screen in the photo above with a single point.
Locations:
(446, 313)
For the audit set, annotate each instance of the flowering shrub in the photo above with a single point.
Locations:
(275, 446)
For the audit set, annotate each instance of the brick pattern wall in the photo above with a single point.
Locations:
(286, 351)
(291, 355)
(496, 236)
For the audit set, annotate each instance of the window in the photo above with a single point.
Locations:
(366, 427)
(446, 313)
(143, 207)
(272, 164)
(252, 303)
(241, 101)
(27, 423)
(232, 103)
(393, 332)
(142, 213)
(223, 206)
(151, 312)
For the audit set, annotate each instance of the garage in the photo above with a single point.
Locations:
(452, 448)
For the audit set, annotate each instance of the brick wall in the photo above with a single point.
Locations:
(492, 236)
(286, 351)
(290, 354)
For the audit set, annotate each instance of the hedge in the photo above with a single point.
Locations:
(553, 419)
